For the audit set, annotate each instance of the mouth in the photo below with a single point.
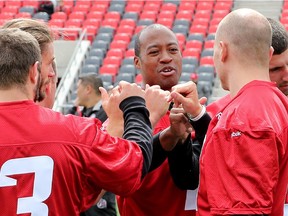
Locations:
(167, 71)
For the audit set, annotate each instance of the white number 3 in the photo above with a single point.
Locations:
(42, 166)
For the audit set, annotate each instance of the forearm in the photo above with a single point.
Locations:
(200, 126)
(168, 139)
(159, 154)
(137, 127)
(184, 165)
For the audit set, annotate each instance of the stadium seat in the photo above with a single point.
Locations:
(187, 6)
(28, 9)
(207, 52)
(109, 69)
(90, 69)
(181, 29)
(128, 77)
(172, 8)
(152, 6)
(115, 52)
(220, 14)
(191, 52)
(128, 68)
(195, 36)
(202, 14)
(206, 60)
(166, 22)
(110, 23)
(77, 15)
(32, 3)
(196, 44)
(198, 29)
(122, 37)
(95, 15)
(187, 15)
(113, 15)
(201, 22)
(10, 9)
(205, 68)
(222, 5)
(128, 61)
(130, 53)
(151, 15)
(41, 16)
(119, 44)
(166, 15)
(135, 8)
(97, 52)
(120, 8)
(145, 22)
(55, 23)
(104, 37)
(112, 60)
(126, 29)
(81, 8)
(107, 78)
(73, 23)
(60, 15)
(23, 15)
(205, 5)
(190, 60)
(131, 15)
(99, 7)
(185, 77)
(188, 68)
(206, 77)
(209, 44)
(14, 3)
(181, 22)
(94, 60)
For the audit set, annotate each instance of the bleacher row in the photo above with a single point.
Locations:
(111, 27)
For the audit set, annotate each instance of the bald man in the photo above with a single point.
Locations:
(243, 165)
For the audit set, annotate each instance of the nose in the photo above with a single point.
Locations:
(165, 57)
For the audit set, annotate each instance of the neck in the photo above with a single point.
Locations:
(239, 78)
(15, 94)
(92, 102)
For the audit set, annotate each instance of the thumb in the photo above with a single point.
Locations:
(177, 98)
(203, 100)
(104, 94)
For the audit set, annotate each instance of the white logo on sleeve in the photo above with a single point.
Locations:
(236, 134)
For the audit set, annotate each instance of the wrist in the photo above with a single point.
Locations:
(198, 116)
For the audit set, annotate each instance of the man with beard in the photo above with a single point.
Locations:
(44, 36)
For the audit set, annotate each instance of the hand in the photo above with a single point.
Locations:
(179, 124)
(186, 95)
(177, 132)
(130, 89)
(114, 125)
(156, 102)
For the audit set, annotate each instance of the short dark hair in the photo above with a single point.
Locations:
(93, 80)
(19, 51)
(279, 37)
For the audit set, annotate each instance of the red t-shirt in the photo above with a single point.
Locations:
(158, 195)
(243, 164)
(52, 164)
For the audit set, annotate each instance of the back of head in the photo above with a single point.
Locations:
(36, 28)
(279, 37)
(249, 35)
(93, 80)
(19, 51)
